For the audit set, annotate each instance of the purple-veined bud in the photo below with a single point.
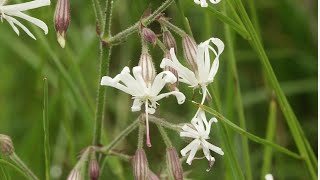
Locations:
(75, 174)
(173, 163)
(147, 66)
(152, 176)
(62, 20)
(190, 48)
(140, 165)
(169, 41)
(94, 169)
(171, 87)
(6, 145)
(148, 35)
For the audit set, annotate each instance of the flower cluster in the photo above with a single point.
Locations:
(203, 3)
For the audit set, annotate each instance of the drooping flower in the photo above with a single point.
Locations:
(142, 92)
(199, 130)
(206, 70)
(8, 12)
(203, 3)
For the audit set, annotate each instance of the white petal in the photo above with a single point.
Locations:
(179, 96)
(215, 1)
(13, 26)
(188, 134)
(26, 6)
(184, 73)
(268, 177)
(160, 81)
(33, 20)
(108, 81)
(136, 106)
(189, 129)
(137, 73)
(214, 148)
(193, 151)
(25, 29)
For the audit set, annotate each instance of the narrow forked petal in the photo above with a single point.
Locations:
(136, 106)
(214, 148)
(188, 134)
(137, 73)
(188, 148)
(179, 96)
(26, 6)
(33, 20)
(108, 81)
(189, 129)
(185, 74)
(208, 126)
(160, 81)
(131, 83)
(13, 26)
(25, 29)
(193, 151)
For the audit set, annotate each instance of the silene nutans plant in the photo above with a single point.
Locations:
(150, 90)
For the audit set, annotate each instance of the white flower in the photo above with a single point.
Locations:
(269, 177)
(203, 3)
(199, 130)
(8, 12)
(205, 72)
(141, 92)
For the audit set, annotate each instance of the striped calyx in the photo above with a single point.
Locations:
(62, 20)
(140, 165)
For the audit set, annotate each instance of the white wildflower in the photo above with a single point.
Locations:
(8, 12)
(142, 92)
(199, 130)
(206, 70)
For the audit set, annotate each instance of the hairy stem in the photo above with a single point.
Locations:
(116, 39)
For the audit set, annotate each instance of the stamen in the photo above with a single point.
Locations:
(148, 142)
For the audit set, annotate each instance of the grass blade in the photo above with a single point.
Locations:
(46, 130)
(249, 135)
(271, 128)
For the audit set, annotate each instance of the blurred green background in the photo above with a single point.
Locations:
(289, 32)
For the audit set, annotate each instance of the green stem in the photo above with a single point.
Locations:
(46, 130)
(98, 13)
(161, 45)
(164, 123)
(23, 167)
(2, 161)
(283, 102)
(271, 129)
(174, 28)
(238, 96)
(100, 106)
(231, 158)
(118, 139)
(141, 135)
(184, 19)
(104, 70)
(249, 135)
(116, 39)
(164, 136)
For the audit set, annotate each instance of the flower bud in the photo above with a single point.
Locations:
(190, 48)
(174, 165)
(169, 40)
(148, 35)
(152, 176)
(171, 87)
(140, 165)
(146, 64)
(6, 145)
(75, 174)
(94, 169)
(62, 20)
